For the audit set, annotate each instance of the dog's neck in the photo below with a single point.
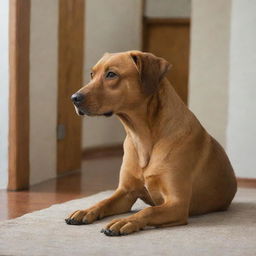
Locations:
(137, 128)
(142, 123)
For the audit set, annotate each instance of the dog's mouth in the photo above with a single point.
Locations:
(80, 112)
(108, 114)
(83, 112)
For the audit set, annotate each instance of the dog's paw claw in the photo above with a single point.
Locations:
(70, 221)
(109, 232)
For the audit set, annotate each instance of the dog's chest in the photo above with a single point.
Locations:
(143, 148)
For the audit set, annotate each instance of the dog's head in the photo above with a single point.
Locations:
(120, 81)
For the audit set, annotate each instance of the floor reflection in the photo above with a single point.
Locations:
(96, 175)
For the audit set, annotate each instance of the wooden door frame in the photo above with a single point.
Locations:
(19, 34)
(70, 79)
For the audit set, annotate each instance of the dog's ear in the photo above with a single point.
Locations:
(151, 69)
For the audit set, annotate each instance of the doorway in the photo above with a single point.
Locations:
(169, 38)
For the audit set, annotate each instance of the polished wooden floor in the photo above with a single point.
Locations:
(97, 174)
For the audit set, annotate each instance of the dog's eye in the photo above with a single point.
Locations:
(91, 74)
(111, 74)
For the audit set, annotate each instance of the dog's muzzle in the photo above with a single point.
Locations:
(77, 99)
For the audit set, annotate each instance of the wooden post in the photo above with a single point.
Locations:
(70, 79)
(19, 30)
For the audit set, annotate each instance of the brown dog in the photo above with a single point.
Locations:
(170, 161)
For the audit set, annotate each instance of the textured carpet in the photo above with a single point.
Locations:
(45, 233)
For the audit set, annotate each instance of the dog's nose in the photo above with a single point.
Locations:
(77, 98)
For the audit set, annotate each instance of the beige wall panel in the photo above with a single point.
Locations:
(43, 89)
(111, 26)
(4, 92)
(241, 132)
(209, 64)
(167, 8)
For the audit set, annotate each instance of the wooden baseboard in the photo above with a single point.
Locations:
(103, 151)
(246, 182)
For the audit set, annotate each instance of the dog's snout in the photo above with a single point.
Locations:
(77, 98)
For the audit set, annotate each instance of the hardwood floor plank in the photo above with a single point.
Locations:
(96, 175)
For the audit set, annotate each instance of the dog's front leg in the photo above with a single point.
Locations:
(130, 188)
(172, 211)
(167, 214)
(121, 201)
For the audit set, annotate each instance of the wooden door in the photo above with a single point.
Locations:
(70, 79)
(169, 38)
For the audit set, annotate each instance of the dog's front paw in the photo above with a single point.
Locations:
(125, 226)
(82, 217)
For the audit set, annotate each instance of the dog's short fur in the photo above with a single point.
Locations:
(170, 161)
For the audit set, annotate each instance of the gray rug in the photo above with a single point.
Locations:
(45, 233)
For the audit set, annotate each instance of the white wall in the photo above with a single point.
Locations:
(209, 65)
(4, 91)
(167, 8)
(43, 89)
(111, 26)
(223, 76)
(241, 132)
